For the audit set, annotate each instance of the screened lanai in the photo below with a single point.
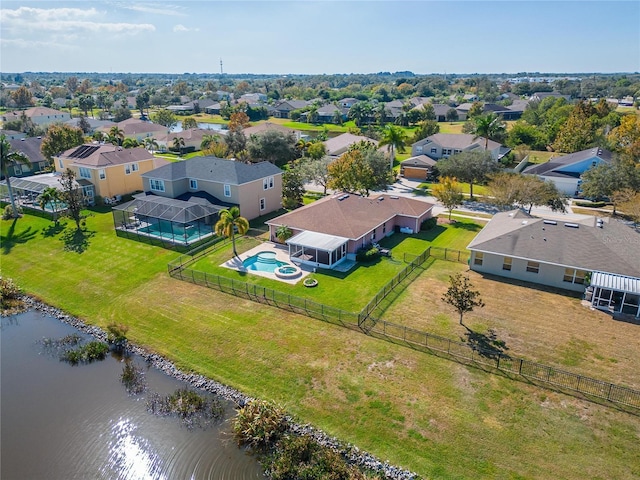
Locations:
(318, 249)
(615, 293)
(26, 190)
(169, 220)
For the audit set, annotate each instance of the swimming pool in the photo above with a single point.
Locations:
(176, 232)
(263, 262)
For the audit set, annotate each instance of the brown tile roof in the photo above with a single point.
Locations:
(267, 126)
(353, 216)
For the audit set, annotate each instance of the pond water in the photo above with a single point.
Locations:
(204, 126)
(77, 422)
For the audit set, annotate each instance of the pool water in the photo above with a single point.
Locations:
(163, 229)
(263, 262)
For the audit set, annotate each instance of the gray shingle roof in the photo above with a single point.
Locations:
(614, 248)
(548, 168)
(214, 169)
(423, 161)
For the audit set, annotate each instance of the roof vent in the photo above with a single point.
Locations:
(380, 198)
(524, 222)
(342, 197)
(599, 223)
(394, 197)
(572, 225)
(550, 222)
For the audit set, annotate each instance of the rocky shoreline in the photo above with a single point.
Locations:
(353, 455)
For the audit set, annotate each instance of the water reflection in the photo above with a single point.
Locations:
(63, 422)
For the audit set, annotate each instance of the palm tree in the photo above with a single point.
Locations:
(151, 144)
(7, 158)
(230, 221)
(395, 138)
(283, 232)
(488, 127)
(178, 143)
(130, 143)
(208, 140)
(116, 136)
(50, 196)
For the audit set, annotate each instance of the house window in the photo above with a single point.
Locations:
(227, 190)
(134, 167)
(263, 204)
(156, 185)
(17, 169)
(478, 258)
(384, 228)
(419, 149)
(506, 263)
(61, 163)
(270, 182)
(373, 236)
(533, 267)
(573, 275)
(127, 169)
(434, 150)
(102, 174)
(85, 172)
(193, 184)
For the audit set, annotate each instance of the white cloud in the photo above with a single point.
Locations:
(182, 28)
(65, 20)
(165, 9)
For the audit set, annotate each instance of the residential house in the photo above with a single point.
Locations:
(284, 108)
(105, 170)
(255, 187)
(336, 146)
(213, 109)
(94, 124)
(253, 98)
(347, 102)
(566, 171)
(192, 138)
(30, 147)
(40, 116)
(417, 168)
(539, 96)
(327, 113)
(270, 126)
(602, 253)
(443, 145)
(137, 129)
(193, 106)
(331, 230)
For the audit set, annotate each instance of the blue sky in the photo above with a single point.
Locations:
(307, 36)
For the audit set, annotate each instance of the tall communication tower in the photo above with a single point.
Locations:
(221, 72)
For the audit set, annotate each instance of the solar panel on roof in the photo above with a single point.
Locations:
(84, 151)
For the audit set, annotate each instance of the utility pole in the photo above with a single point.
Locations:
(221, 72)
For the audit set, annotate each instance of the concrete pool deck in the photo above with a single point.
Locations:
(282, 254)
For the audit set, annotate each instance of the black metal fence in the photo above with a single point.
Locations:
(543, 374)
(365, 322)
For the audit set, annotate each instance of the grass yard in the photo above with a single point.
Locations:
(466, 189)
(435, 417)
(535, 323)
(352, 290)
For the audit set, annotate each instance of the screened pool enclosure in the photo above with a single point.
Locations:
(166, 220)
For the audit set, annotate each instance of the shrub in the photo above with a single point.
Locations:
(133, 378)
(591, 204)
(117, 334)
(8, 212)
(190, 406)
(302, 457)
(87, 353)
(259, 424)
(429, 223)
(367, 254)
(9, 294)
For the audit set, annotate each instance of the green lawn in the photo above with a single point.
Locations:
(477, 189)
(352, 290)
(430, 415)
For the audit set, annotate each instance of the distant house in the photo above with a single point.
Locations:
(192, 106)
(418, 168)
(137, 129)
(603, 254)
(93, 123)
(327, 113)
(40, 116)
(331, 230)
(105, 170)
(192, 138)
(443, 145)
(284, 108)
(566, 171)
(336, 146)
(253, 98)
(539, 96)
(270, 126)
(30, 147)
(347, 102)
